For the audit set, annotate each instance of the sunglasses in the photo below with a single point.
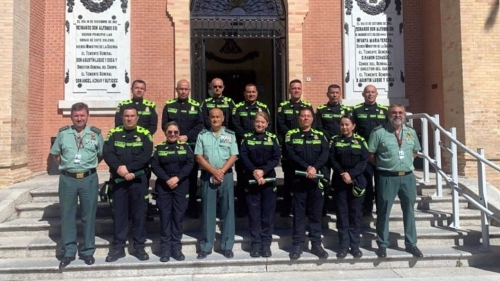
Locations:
(217, 86)
(174, 133)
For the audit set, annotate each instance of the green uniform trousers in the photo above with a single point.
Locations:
(70, 191)
(209, 195)
(405, 188)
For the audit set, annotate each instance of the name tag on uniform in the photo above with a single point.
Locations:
(401, 154)
(78, 158)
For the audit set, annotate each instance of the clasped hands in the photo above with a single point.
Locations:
(258, 175)
(124, 173)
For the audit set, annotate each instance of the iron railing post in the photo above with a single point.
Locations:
(454, 176)
(483, 200)
(437, 157)
(425, 147)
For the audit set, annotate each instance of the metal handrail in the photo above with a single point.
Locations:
(453, 180)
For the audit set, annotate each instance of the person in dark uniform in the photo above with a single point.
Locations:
(243, 122)
(127, 151)
(367, 116)
(287, 118)
(172, 163)
(260, 153)
(348, 158)
(307, 150)
(328, 121)
(226, 104)
(78, 150)
(186, 112)
(148, 119)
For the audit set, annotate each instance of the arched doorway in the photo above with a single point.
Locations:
(240, 41)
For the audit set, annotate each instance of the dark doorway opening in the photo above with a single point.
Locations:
(234, 82)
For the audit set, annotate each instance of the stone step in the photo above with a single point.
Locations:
(47, 268)
(46, 209)
(51, 226)
(49, 246)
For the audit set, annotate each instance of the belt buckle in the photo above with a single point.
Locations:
(401, 174)
(79, 175)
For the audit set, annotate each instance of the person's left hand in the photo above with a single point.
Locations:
(311, 172)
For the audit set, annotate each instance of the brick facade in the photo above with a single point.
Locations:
(450, 58)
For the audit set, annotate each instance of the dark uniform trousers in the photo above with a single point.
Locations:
(370, 173)
(172, 205)
(130, 197)
(306, 194)
(261, 201)
(69, 191)
(193, 186)
(348, 214)
(209, 195)
(390, 187)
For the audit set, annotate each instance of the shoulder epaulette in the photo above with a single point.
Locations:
(116, 129)
(345, 107)
(142, 130)
(170, 101)
(161, 143)
(125, 102)
(382, 106)
(321, 106)
(358, 105)
(193, 102)
(209, 99)
(261, 104)
(269, 134)
(317, 132)
(378, 127)
(148, 103)
(229, 131)
(283, 103)
(335, 137)
(240, 104)
(246, 135)
(64, 128)
(292, 131)
(181, 142)
(306, 103)
(356, 136)
(95, 130)
(203, 131)
(227, 98)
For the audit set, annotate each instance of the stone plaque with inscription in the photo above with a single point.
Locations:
(97, 69)
(374, 49)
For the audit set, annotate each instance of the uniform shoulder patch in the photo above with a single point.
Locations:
(170, 101)
(317, 132)
(193, 102)
(358, 106)
(203, 131)
(321, 106)
(148, 103)
(142, 130)
(64, 128)
(125, 102)
(306, 103)
(246, 135)
(95, 130)
(378, 127)
(269, 134)
(356, 136)
(240, 104)
(382, 106)
(181, 142)
(346, 107)
(283, 103)
(261, 104)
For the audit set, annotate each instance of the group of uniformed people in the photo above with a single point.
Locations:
(211, 136)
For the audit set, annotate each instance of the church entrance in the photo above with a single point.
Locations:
(241, 42)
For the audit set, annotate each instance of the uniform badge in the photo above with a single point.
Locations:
(192, 108)
(138, 139)
(315, 137)
(225, 101)
(181, 147)
(381, 112)
(287, 138)
(279, 109)
(259, 109)
(147, 109)
(92, 136)
(342, 112)
(269, 139)
(409, 136)
(355, 141)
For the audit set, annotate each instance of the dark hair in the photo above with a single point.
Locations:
(295, 81)
(129, 106)
(250, 85)
(79, 106)
(333, 86)
(348, 116)
(138, 81)
(171, 123)
(306, 108)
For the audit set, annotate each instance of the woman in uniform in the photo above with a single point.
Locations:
(172, 162)
(260, 154)
(348, 158)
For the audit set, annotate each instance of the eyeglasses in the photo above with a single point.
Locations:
(217, 86)
(174, 133)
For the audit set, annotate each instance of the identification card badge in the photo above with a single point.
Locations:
(78, 158)
(401, 154)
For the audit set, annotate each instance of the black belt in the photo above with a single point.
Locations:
(393, 174)
(79, 175)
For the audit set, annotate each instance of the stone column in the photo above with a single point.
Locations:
(14, 78)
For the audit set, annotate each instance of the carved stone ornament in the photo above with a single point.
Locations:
(373, 8)
(348, 7)
(124, 6)
(70, 4)
(97, 6)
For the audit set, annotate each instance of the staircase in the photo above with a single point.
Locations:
(29, 242)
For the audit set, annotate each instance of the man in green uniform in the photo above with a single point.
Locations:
(392, 148)
(78, 150)
(216, 151)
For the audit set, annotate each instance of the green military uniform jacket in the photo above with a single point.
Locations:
(216, 150)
